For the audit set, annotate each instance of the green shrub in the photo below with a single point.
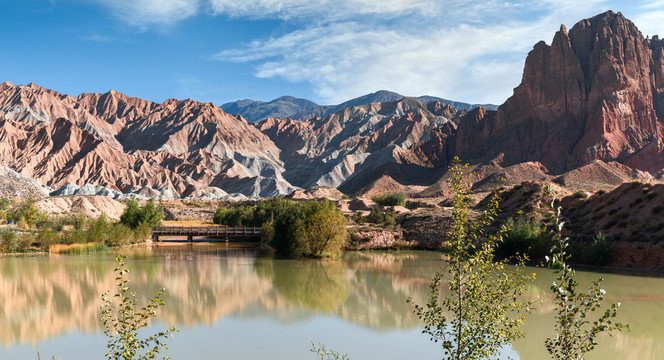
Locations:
(375, 216)
(47, 237)
(524, 236)
(580, 195)
(123, 319)
(389, 217)
(323, 229)
(393, 199)
(358, 218)
(120, 234)
(9, 240)
(600, 251)
(134, 215)
(238, 217)
(98, 230)
(311, 228)
(27, 212)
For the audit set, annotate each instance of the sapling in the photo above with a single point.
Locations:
(576, 333)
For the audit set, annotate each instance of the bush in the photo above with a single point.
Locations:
(9, 240)
(393, 199)
(598, 252)
(323, 229)
(27, 214)
(47, 237)
(120, 235)
(12, 241)
(134, 215)
(375, 216)
(524, 236)
(238, 217)
(358, 218)
(389, 217)
(311, 229)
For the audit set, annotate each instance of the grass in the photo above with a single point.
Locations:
(78, 249)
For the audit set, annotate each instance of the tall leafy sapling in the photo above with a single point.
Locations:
(576, 333)
(122, 322)
(483, 311)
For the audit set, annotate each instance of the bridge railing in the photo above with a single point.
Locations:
(206, 230)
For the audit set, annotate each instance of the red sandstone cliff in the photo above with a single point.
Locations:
(591, 94)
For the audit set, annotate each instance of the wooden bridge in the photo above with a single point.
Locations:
(222, 232)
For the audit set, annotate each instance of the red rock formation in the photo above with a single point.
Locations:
(120, 142)
(589, 95)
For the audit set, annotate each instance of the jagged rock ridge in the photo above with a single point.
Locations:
(302, 109)
(596, 93)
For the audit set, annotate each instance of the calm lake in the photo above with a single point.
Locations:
(233, 303)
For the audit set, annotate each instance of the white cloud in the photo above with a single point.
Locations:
(322, 10)
(143, 13)
(98, 38)
(478, 60)
(650, 22)
(461, 49)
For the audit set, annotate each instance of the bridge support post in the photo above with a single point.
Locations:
(190, 238)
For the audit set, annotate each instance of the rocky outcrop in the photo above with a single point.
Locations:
(377, 239)
(591, 94)
(15, 185)
(132, 145)
(354, 146)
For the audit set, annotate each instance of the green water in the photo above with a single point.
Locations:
(234, 303)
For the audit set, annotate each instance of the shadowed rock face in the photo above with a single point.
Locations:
(592, 94)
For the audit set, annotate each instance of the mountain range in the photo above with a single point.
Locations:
(303, 109)
(593, 97)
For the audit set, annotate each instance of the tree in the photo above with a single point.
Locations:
(131, 215)
(123, 323)
(576, 334)
(324, 228)
(27, 213)
(484, 309)
(149, 214)
(375, 216)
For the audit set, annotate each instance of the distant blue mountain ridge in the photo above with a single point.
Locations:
(302, 109)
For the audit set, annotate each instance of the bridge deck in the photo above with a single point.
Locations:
(190, 232)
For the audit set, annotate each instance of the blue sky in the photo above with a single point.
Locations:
(327, 51)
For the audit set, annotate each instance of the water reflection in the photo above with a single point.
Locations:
(42, 297)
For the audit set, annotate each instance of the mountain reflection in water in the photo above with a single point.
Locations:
(43, 297)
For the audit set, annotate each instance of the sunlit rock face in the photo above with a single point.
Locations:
(596, 92)
(593, 93)
(119, 142)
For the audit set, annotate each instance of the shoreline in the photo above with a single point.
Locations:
(610, 269)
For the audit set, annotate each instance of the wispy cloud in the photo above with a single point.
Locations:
(322, 9)
(462, 49)
(651, 19)
(479, 58)
(98, 38)
(651, 23)
(143, 13)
